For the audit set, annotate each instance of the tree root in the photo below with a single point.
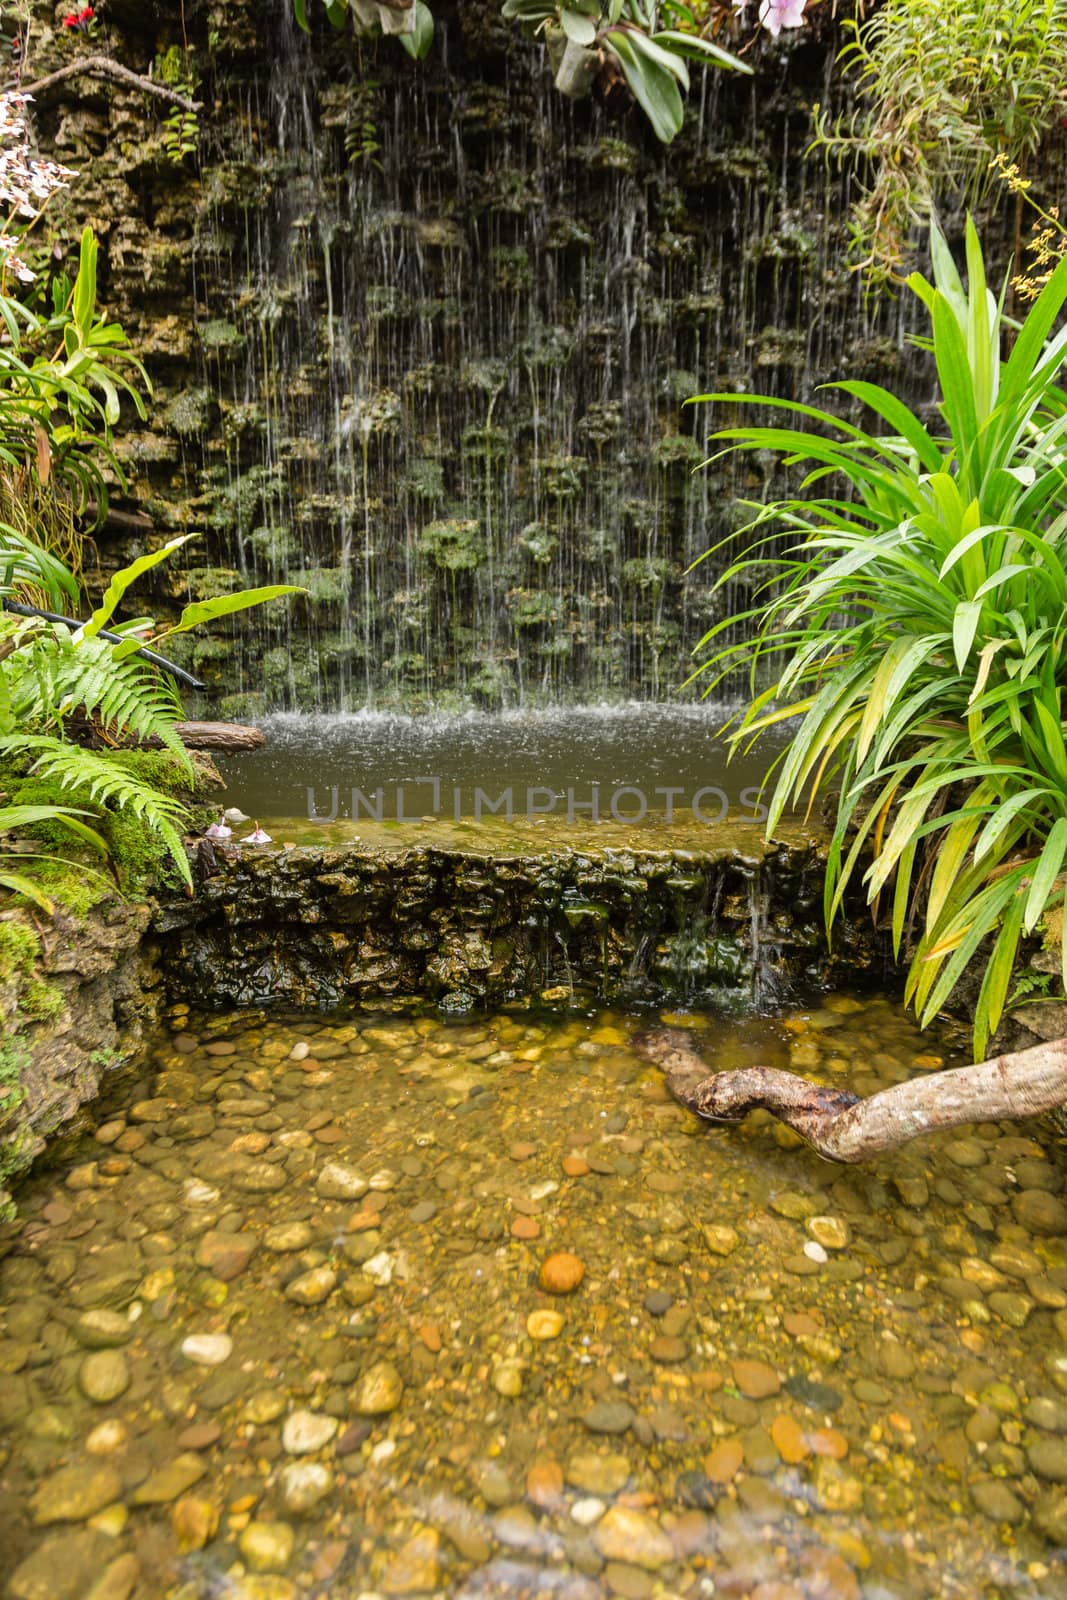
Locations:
(99, 66)
(842, 1127)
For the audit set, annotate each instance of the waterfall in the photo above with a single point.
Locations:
(450, 319)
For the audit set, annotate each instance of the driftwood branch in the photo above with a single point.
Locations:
(842, 1127)
(100, 66)
(229, 737)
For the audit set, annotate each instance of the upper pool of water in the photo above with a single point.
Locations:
(655, 771)
(278, 1328)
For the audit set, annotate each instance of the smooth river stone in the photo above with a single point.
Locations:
(755, 1379)
(379, 1391)
(337, 1181)
(303, 1485)
(207, 1349)
(598, 1474)
(171, 1480)
(76, 1493)
(304, 1432)
(104, 1376)
(312, 1288)
(226, 1255)
(633, 1537)
(101, 1329)
(286, 1236)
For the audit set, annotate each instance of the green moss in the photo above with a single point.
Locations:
(455, 545)
(220, 335)
(19, 949)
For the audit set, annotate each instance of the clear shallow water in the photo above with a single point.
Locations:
(725, 1406)
(654, 757)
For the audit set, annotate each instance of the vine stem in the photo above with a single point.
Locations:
(100, 66)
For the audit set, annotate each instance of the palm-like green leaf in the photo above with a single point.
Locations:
(916, 623)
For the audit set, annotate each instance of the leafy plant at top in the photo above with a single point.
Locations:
(647, 44)
(944, 85)
(915, 624)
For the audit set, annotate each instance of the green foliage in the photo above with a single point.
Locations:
(916, 626)
(648, 43)
(181, 130)
(945, 85)
(62, 379)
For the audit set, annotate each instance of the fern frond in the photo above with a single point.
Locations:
(95, 779)
(127, 697)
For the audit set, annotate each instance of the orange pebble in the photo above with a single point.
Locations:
(575, 1167)
(828, 1442)
(724, 1462)
(544, 1483)
(430, 1334)
(561, 1273)
(525, 1228)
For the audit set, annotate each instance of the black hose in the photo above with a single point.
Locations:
(178, 673)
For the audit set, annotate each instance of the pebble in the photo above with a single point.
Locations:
(544, 1483)
(379, 1269)
(312, 1288)
(1040, 1212)
(996, 1501)
(226, 1255)
(723, 1462)
(101, 1329)
(107, 1437)
(305, 1432)
(755, 1379)
(632, 1536)
(104, 1376)
(416, 1567)
(170, 1480)
(833, 1233)
(267, 1546)
(303, 1485)
(1048, 1459)
(544, 1325)
(337, 1181)
(286, 1236)
(561, 1273)
(508, 1378)
(609, 1416)
(587, 1510)
(195, 1522)
(598, 1474)
(720, 1238)
(379, 1391)
(207, 1349)
(74, 1494)
(789, 1439)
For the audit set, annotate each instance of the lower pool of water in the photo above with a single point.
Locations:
(290, 1322)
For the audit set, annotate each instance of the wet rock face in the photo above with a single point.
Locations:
(99, 976)
(486, 307)
(311, 926)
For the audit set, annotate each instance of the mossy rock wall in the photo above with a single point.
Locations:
(317, 927)
(75, 1002)
(421, 336)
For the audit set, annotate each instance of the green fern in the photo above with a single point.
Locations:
(66, 674)
(92, 778)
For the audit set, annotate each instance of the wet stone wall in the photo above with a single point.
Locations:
(420, 340)
(316, 927)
